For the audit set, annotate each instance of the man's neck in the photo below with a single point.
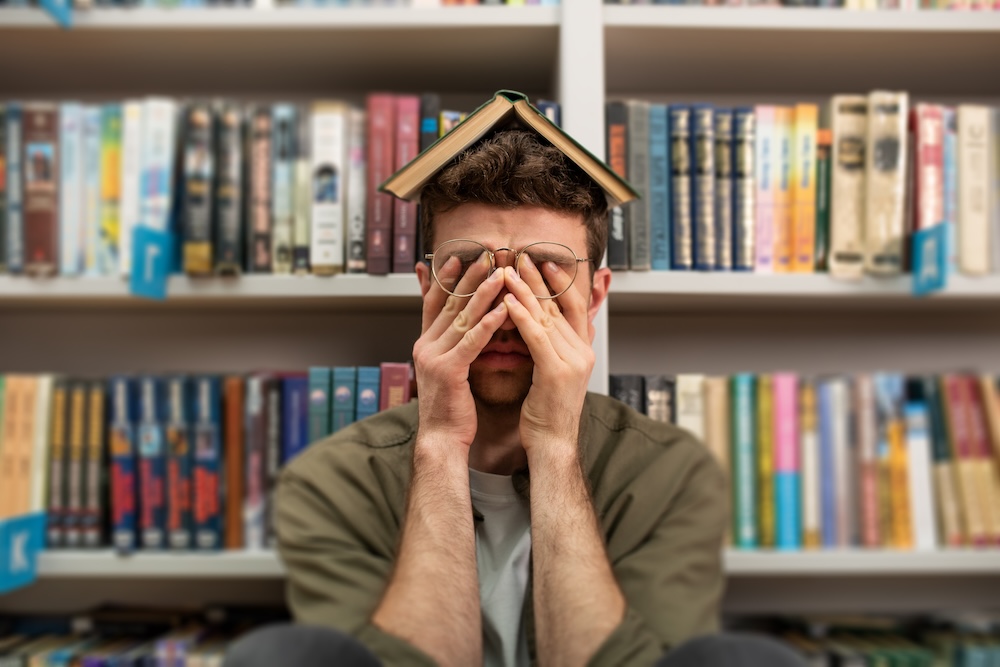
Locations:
(497, 447)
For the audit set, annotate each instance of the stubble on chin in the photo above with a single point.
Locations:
(500, 389)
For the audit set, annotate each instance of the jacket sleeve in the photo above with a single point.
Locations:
(672, 576)
(338, 555)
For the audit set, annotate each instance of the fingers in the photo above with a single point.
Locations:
(550, 278)
(438, 303)
(544, 330)
(459, 315)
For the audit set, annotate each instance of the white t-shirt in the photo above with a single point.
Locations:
(503, 556)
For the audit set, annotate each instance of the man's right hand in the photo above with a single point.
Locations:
(455, 331)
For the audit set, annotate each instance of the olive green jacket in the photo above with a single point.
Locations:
(659, 496)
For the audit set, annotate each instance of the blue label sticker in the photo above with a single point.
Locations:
(150, 262)
(429, 124)
(21, 539)
(60, 10)
(930, 259)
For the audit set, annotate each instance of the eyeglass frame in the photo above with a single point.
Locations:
(429, 258)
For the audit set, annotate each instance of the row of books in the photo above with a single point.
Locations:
(262, 188)
(866, 5)
(875, 460)
(179, 462)
(187, 4)
(840, 187)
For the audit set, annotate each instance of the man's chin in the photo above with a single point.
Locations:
(500, 389)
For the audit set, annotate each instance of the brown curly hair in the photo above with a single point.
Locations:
(517, 168)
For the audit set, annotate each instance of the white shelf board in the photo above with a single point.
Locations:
(104, 563)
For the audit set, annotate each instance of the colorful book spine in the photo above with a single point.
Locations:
(949, 513)
(404, 215)
(928, 125)
(702, 152)
(616, 115)
(744, 188)
(890, 399)
(343, 399)
(765, 462)
(234, 459)
(56, 511)
(179, 463)
(259, 191)
(15, 192)
(787, 464)
(766, 163)
(357, 183)
(681, 174)
(91, 217)
(828, 464)
(395, 384)
(294, 416)
(744, 458)
(132, 131)
(284, 154)
(3, 188)
(70, 188)
(812, 519)
(369, 380)
(638, 175)
(918, 444)
(124, 471)
(255, 501)
(659, 187)
(824, 165)
(76, 470)
(849, 125)
(199, 177)
(108, 260)
(974, 233)
(40, 159)
(157, 179)
(320, 387)
(866, 437)
(152, 465)
(984, 467)
(950, 158)
(329, 146)
(95, 504)
(272, 454)
(724, 189)
(206, 433)
(381, 110)
(803, 186)
(885, 182)
(302, 216)
(229, 194)
(782, 205)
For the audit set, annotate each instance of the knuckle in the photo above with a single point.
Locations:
(461, 322)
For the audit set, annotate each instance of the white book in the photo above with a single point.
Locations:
(922, 501)
(356, 192)
(329, 161)
(843, 470)
(885, 182)
(91, 219)
(158, 145)
(71, 189)
(284, 137)
(848, 122)
(691, 404)
(812, 513)
(132, 132)
(974, 234)
(37, 500)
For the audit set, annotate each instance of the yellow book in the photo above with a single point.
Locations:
(803, 188)
(717, 431)
(26, 444)
(783, 221)
(899, 487)
(8, 441)
(765, 461)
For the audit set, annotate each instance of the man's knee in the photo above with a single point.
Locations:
(298, 645)
(732, 650)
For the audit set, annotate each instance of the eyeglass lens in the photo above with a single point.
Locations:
(461, 266)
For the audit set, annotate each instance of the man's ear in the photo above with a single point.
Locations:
(424, 276)
(598, 292)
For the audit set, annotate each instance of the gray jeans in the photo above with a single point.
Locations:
(290, 645)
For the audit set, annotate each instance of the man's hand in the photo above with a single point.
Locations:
(557, 335)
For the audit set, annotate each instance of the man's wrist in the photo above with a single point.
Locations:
(440, 450)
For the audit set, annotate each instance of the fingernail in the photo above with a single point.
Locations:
(551, 267)
(512, 273)
(495, 276)
(500, 307)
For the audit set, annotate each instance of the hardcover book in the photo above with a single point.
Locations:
(782, 218)
(812, 520)
(14, 240)
(918, 445)
(124, 467)
(57, 508)
(329, 180)
(70, 189)
(40, 161)
(885, 182)
(381, 116)
(108, 260)
(616, 114)
(660, 392)
(395, 388)
(76, 446)
(950, 521)
(803, 187)
(404, 215)
(152, 464)
(724, 198)
(766, 162)
(302, 217)
(343, 399)
(199, 177)
(866, 438)
(787, 464)
(659, 187)
(824, 165)
(284, 151)
(294, 415)
(702, 154)
(357, 196)
(95, 504)
(259, 191)
(206, 435)
(744, 211)
(320, 419)
(179, 463)
(638, 174)
(132, 118)
(744, 461)
(229, 195)
(234, 429)
(369, 381)
(766, 513)
(681, 170)
(974, 233)
(629, 389)
(849, 125)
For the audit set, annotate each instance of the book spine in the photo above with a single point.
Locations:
(782, 219)
(124, 473)
(254, 501)
(95, 526)
(660, 392)
(892, 426)
(9, 432)
(381, 110)
(744, 210)
(357, 184)
(345, 383)
(132, 131)
(320, 419)
(828, 501)
(702, 154)
(866, 437)
(844, 458)
(108, 260)
(404, 216)
(804, 188)
(3, 188)
(329, 130)
(982, 461)
(234, 430)
(724, 227)
(744, 477)
(766, 170)
(199, 168)
(294, 416)
(950, 157)
(787, 466)
(616, 114)
(638, 174)
(922, 491)
(943, 469)
(40, 160)
(765, 462)
(990, 401)
(76, 470)
(70, 188)
(259, 192)
(29, 420)
(206, 488)
(369, 379)
(993, 161)
(301, 234)
(691, 404)
(629, 389)
(810, 463)
(158, 144)
(849, 124)
(56, 511)
(152, 465)
(284, 152)
(824, 154)
(395, 385)
(929, 165)
(272, 464)
(885, 182)
(681, 168)
(659, 187)
(179, 463)
(960, 432)
(229, 195)
(91, 218)
(15, 193)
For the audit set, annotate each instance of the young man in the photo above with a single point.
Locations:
(507, 517)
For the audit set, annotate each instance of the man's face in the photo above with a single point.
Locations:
(501, 375)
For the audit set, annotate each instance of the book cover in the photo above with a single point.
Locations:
(343, 398)
(76, 471)
(955, 402)
(395, 384)
(616, 120)
(718, 428)
(985, 478)
(950, 157)
(259, 192)
(744, 461)
(124, 468)
(14, 239)
(787, 464)
(430, 110)
(885, 182)
(948, 509)
(70, 188)
(927, 123)
(294, 415)
(40, 161)
(256, 457)
(638, 174)
(179, 463)
(866, 438)
(381, 116)
(849, 126)
(234, 457)
(894, 458)
(11, 433)
(659, 187)
(629, 389)
(832, 396)
(91, 215)
(369, 381)
(744, 208)
(783, 219)
(974, 233)
(803, 187)
(3, 189)
(329, 179)
(38, 453)
(320, 417)
(108, 259)
(302, 216)
(918, 444)
(812, 521)
(206, 434)
(660, 392)
(95, 523)
(131, 166)
(154, 239)
(767, 168)
(357, 184)
(284, 153)
(766, 511)
(273, 451)
(56, 511)
(824, 168)
(724, 192)
(702, 137)
(404, 215)
(152, 464)
(681, 176)
(229, 195)
(199, 143)
(691, 403)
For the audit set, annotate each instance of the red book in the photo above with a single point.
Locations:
(395, 385)
(404, 221)
(957, 400)
(381, 114)
(927, 125)
(40, 161)
(233, 429)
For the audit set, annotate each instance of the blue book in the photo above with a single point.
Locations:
(122, 436)
(284, 120)
(681, 226)
(294, 416)
(70, 188)
(550, 110)
(702, 153)
(15, 192)
(659, 187)
(744, 213)
(206, 418)
(369, 379)
(723, 190)
(345, 383)
(152, 464)
(179, 462)
(320, 381)
(827, 463)
(744, 456)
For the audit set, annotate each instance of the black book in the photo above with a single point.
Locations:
(616, 120)
(630, 390)
(229, 179)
